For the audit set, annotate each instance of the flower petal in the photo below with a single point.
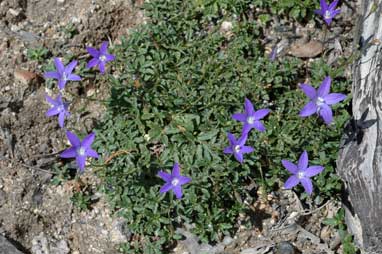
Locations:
(52, 111)
(93, 52)
(228, 150)
(247, 149)
(92, 153)
(103, 48)
(291, 167)
(309, 91)
(81, 160)
(73, 139)
(165, 176)
(239, 157)
(59, 66)
(303, 161)
(93, 62)
(240, 117)
(313, 170)
(334, 98)
(70, 67)
(88, 140)
(52, 74)
(231, 138)
(261, 113)
(175, 170)
(333, 5)
(307, 183)
(323, 5)
(324, 87)
(184, 180)
(101, 66)
(326, 114)
(51, 100)
(247, 128)
(259, 126)
(61, 119)
(69, 153)
(291, 182)
(109, 57)
(74, 77)
(309, 109)
(248, 107)
(242, 139)
(178, 191)
(166, 187)
(61, 84)
(318, 12)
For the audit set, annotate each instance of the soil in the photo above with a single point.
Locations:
(35, 215)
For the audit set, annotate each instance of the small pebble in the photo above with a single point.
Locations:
(285, 248)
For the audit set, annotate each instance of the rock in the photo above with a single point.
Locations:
(42, 245)
(7, 248)
(285, 248)
(2, 198)
(306, 49)
(25, 77)
(120, 233)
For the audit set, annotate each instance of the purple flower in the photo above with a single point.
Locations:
(63, 74)
(301, 173)
(250, 117)
(327, 12)
(100, 57)
(174, 181)
(237, 147)
(80, 149)
(59, 108)
(273, 54)
(320, 100)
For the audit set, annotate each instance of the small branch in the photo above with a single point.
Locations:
(118, 153)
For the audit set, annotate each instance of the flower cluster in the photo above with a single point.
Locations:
(80, 149)
(320, 102)
(251, 120)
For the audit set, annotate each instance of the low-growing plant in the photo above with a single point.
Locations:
(338, 222)
(180, 81)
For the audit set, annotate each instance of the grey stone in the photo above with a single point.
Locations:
(7, 248)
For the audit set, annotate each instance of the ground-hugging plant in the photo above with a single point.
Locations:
(180, 82)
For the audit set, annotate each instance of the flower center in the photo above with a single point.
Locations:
(327, 14)
(102, 58)
(64, 77)
(60, 108)
(237, 149)
(320, 101)
(175, 181)
(251, 120)
(300, 174)
(81, 151)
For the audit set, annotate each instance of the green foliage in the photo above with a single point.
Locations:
(180, 82)
(338, 222)
(297, 9)
(37, 54)
(81, 200)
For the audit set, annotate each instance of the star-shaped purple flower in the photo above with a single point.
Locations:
(59, 107)
(328, 11)
(320, 100)
(174, 181)
(80, 149)
(250, 117)
(237, 147)
(100, 57)
(301, 173)
(63, 74)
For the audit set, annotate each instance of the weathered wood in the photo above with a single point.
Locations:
(360, 163)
